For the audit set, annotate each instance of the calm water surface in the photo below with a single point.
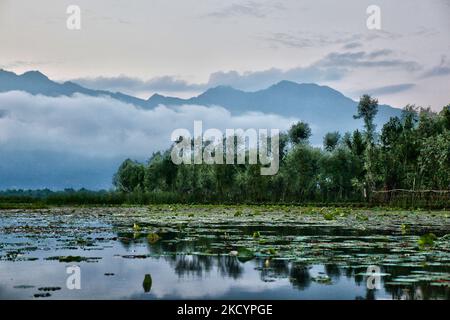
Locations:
(192, 255)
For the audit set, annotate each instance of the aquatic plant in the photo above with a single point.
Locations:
(153, 238)
(256, 234)
(427, 240)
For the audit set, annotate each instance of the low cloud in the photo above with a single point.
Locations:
(443, 69)
(104, 127)
(127, 84)
(93, 134)
(386, 90)
(249, 8)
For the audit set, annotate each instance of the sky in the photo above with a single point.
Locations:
(181, 48)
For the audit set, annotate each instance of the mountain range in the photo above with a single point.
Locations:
(324, 108)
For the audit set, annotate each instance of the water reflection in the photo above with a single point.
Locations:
(303, 261)
(210, 258)
(147, 284)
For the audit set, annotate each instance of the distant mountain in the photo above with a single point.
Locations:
(34, 82)
(323, 107)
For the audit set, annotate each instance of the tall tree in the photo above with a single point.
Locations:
(299, 132)
(367, 110)
(130, 176)
(331, 140)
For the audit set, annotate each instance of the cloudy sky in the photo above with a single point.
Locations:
(182, 47)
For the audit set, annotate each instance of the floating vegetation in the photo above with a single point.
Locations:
(434, 279)
(322, 279)
(271, 251)
(405, 229)
(328, 215)
(245, 255)
(427, 240)
(42, 295)
(153, 238)
(23, 286)
(135, 256)
(279, 242)
(49, 288)
(441, 284)
(74, 259)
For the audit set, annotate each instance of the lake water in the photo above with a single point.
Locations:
(200, 252)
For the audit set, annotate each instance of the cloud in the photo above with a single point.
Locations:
(101, 126)
(352, 45)
(80, 140)
(386, 90)
(261, 79)
(22, 64)
(443, 69)
(248, 8)
(251, 80)
(332, 67)
(362, 59)
(124, 83)
(311, 39)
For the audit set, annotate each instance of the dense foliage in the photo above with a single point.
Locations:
(409, 152)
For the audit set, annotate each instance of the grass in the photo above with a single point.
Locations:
(31, 206)
(21, 199)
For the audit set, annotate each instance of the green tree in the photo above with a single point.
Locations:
(445, 116)
(331, 140)
(130, 176)
(301, 172)
(367, 110)
(434, 162)
(299, 133)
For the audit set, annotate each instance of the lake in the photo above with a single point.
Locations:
(224, 252)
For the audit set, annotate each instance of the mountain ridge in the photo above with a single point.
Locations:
(322, 106)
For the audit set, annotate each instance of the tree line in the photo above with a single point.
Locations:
(409, 152)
